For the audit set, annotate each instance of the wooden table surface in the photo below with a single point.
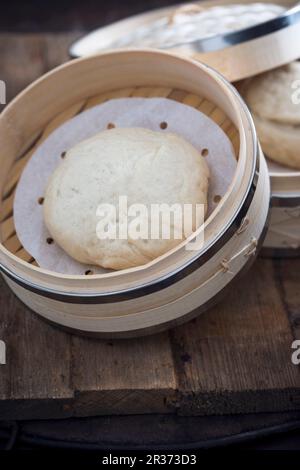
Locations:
(236, 358)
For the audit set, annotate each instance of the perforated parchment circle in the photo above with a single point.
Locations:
(149, 113)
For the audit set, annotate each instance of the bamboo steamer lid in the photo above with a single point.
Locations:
(255, 37)
(178, 285)
(258, 45)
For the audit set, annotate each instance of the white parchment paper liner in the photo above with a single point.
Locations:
(148, 113)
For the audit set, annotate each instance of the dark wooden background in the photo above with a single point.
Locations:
(70, 15)
(236, 358)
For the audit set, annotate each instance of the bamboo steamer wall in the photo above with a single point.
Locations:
(178, 285)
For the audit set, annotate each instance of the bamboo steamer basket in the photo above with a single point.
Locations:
(237, 55)
(180, 284)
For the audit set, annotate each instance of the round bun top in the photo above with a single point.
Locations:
(96, 175)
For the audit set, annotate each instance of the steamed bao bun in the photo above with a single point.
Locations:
(145, 166)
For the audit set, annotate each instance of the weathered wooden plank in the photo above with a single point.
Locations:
(237, 356)
(136, 375)
(74, 376)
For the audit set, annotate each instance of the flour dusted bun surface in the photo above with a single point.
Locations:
(146, 167)
(273, 98)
